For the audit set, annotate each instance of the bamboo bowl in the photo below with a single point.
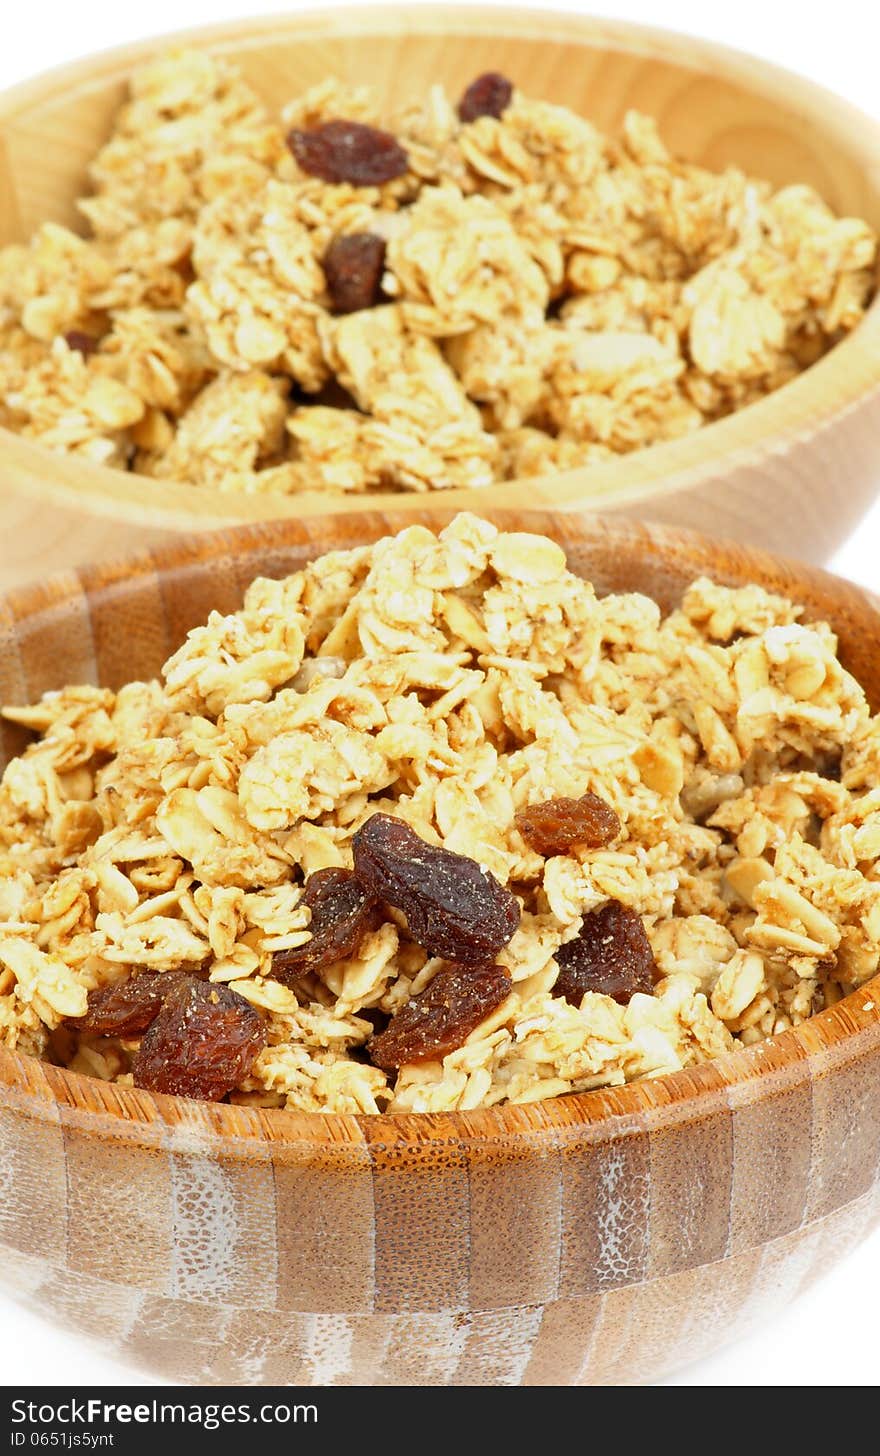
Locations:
(601, 1238)
(794, 472)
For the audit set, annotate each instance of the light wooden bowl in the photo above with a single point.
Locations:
(600, 1238)
(794, 472)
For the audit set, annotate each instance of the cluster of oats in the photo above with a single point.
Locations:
(550, 297)
(451, 680)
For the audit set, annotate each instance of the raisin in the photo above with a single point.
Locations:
(558, 825)
(348, 151)
(343, 913)
(83, 343)
(128, 1007)
(202, 1044)
(453, 908)
(489, 95)
(353, 267)
(611, 955)
(441, 1017)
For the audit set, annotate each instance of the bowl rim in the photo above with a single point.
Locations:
(846, 1031)
(821, 396)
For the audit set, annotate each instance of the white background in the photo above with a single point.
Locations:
(829, 1335)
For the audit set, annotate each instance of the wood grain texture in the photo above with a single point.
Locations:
(794, 472)
(598, 1238)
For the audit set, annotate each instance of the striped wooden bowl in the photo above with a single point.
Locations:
(794, 472)
(600, 1238)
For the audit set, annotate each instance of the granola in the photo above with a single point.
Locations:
(488, 289)
(464, 687)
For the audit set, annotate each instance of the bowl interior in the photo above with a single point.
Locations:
(117, 621)
(714, 106)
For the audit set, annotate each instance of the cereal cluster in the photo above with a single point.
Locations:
(427, 825)
(489, 289)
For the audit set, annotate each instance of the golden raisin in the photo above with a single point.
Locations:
(558, 825)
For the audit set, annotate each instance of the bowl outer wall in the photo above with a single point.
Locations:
(563, 1204)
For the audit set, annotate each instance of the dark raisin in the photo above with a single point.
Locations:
(128, 1007)
(611, 955)
(202, 1044)
(353, 267)
(441, 1017)
(558, 825)
(83, 343)
(489, 95)
(348, 151)
(453, 908)
(343, 913)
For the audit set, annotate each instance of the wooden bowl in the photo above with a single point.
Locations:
(599, 1238)
(794, 472)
